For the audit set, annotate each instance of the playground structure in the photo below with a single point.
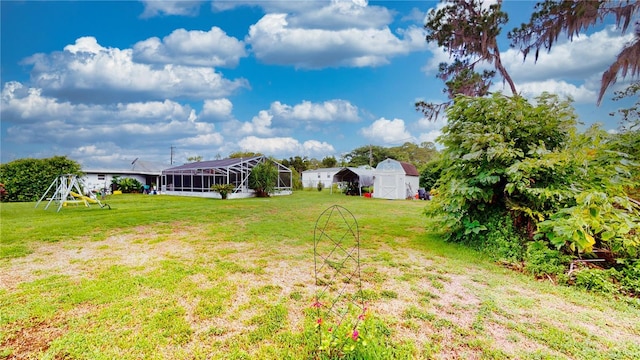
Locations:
(69, 190)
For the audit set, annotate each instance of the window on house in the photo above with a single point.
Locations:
(101, 176)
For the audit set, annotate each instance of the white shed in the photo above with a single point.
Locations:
(395, 180)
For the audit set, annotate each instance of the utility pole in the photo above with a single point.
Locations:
(172, 147)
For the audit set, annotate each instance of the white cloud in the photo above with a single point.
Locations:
(584, 57)
(307, 111)
(285, 146)
(387, 131)
(561, 88)
(275, 41)
(259, 125)
(31, 118)
(202, 140)
(170, 7)
(194, 48)
(343, 14)
(89, 72)
(217, 109)
(429, 130)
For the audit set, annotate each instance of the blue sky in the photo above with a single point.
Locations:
(108, 82)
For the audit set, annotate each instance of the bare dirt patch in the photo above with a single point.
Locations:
(78, 258)
(31, 338)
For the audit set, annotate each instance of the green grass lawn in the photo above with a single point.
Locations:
(182, 278)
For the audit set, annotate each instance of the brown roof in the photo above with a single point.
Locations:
(409, 169)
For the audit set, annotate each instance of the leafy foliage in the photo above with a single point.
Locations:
(263, 178)
(223, 189)
(127, 185)
(298, 163)
(524, 162)
(329, 162)
(28, 179)
(430, 174)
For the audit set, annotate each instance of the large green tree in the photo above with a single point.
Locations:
(299, 163)
(329, 162)
(28, 179)
(367, 155)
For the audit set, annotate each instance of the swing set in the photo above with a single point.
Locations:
(69, 191)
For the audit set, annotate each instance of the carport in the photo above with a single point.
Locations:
(354, 177)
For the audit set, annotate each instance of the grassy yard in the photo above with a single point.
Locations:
(163, 277)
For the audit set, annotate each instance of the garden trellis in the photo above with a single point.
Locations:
(339, 300)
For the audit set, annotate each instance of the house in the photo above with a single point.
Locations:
(395, 180)
(311, 178)
(146, 172)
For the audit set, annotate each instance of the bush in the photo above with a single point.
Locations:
(541, 261)
(128, 185)
(223, 189)
(28, 179)
(629, 278)
(495, 235)
(320, 186)
(598, 280)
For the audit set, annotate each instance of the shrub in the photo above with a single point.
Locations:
(628, 278)
(223, 189)
(541, 261)
(494, 234)
(320, 186)
(596, 280)
(129, 185)
(28, 179)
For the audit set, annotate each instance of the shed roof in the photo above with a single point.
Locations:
(363, 176)
(409, 169)
(393, 165)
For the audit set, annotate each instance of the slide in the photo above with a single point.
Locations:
(85, 198)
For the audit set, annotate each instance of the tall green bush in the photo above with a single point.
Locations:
(507, 159)
(483, 139)
(28, 179)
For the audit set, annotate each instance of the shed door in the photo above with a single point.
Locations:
(388, 186)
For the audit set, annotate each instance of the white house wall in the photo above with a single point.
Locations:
(310, 178)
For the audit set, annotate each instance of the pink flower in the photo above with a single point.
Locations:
(355, 334)
(316, 304)
(319, 321)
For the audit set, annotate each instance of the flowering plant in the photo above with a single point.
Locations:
(350, 333)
